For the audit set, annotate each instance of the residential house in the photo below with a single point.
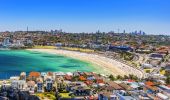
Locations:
(164, 89)
(167, 69)
(120, 48)
(112, 87)
(88, 82)
(49, 84)
(125, 86)
(23, 76)
(135, 86)
(146, 65)
(43, 75)
(156, 56)
(61, 85)
(59, 75)
(18, 84)
(14, 78)
(31, 86)
(162, 96)
(123, 95)
(104, 95)
(81, 90)
(162, 50)
(34, 75)
(5, 85)
(82, 78)
(40, 85)
(68, 77)
(144, 49)
(151, 91)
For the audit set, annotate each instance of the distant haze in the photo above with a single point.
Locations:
(150, 16)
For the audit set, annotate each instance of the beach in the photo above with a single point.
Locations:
(104, 64)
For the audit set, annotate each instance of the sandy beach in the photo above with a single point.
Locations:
(104, 64)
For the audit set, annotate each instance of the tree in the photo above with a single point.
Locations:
(72, 95)
(111, 77)
(99, 75)
(94, 80)
(126, 77)
(133, 77)
(119, 77)
(168, 80)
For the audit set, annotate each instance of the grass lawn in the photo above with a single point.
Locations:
(46, 96)
(43, 47)
(162, 72)
(65, 95)
(78, 49)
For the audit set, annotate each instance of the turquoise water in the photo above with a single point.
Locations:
(22, 60)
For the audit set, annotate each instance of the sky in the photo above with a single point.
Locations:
(150, 16)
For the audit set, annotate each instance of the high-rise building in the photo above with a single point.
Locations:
(124, 31)
(6, 42)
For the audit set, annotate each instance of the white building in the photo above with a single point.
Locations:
(14, 78)
(146, 65)
(6, 42)
(19, 84)
(59, 73)
(5, 85)
(17, 43)
(31, 86)
(23, 76)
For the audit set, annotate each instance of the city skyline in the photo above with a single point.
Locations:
(150, 16)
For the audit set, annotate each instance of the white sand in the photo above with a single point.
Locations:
(104, 65)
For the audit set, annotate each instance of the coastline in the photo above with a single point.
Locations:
(106, 65)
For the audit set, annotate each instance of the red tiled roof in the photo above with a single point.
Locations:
(114, 85)
(82, 78)
(154, 88)
(149, 83)
(67, 77)
(99, 81)
(88, 82)
(168, 85)
(162, 51)
(131, 80)
(34, 74)
(88, 73)
(92, 98)
(125, 86)
(50, 73)
(96, 76)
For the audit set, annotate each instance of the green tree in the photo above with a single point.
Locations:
(168, 80)
(111, 77)
(119, 77)
(133, 77)
(126, 77)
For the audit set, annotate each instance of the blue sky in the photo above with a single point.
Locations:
(151, 16)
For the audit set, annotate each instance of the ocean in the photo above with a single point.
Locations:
(12, 62)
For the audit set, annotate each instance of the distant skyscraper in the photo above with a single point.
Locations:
(140, 32)
(124, 31)
(144, 33)
(136, 32)
(27, 29)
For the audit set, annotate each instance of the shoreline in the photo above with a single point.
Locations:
(104, 64)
